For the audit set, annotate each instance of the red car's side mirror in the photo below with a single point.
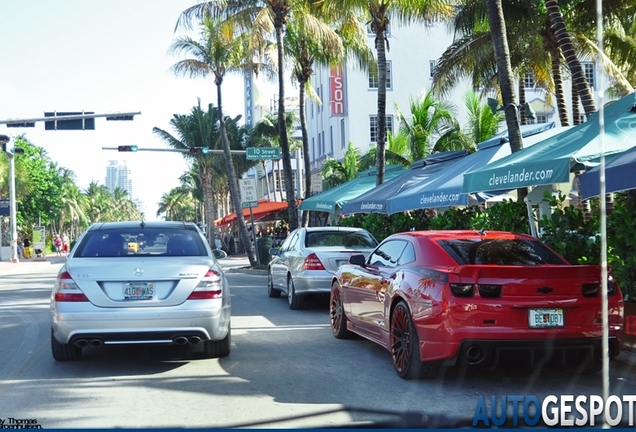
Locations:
(357, 259)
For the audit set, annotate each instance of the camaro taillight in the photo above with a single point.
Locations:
(593, 289)
(209, 287)
(312, 262)
(66, 290)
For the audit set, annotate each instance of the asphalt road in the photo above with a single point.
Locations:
(283, 364)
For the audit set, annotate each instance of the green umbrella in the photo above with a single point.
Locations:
(551, 161)
(330, 199)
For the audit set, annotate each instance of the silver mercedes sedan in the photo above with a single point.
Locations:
(307, 260)
(110, 291)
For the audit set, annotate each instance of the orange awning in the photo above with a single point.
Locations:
(262, 210)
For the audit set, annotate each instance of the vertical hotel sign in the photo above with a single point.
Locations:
(337, 90)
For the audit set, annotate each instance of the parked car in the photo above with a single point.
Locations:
(474, 299)
(109, 293)
(307, 260)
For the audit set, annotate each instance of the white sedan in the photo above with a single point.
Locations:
(174, 293)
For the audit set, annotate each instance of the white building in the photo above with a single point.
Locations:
(119, 176)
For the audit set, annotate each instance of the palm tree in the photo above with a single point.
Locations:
(335, 172)
(221, 50)
(309, 40)
(379, 13)
(260, 18)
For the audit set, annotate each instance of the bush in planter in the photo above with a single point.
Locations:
(568, 232)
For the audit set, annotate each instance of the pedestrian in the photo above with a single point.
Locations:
(27, 247)
(57, 242)
(65, 244)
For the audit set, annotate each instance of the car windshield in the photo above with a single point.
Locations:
(500, 252)
(140, 242)
(356, 239)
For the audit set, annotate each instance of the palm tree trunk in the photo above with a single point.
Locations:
(576, 110)
(565, 42)
(234, 191)
(380, 46)
(303, 128)
(522, 99)
(282, 129)
(552, 47)
(502, 54)
(209, 203)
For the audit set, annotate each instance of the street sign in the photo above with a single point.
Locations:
(4, 207)
(77, 124)
(257, 153)
(248, 192)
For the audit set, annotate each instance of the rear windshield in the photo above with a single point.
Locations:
(356, 239)
(141, 242)
(501, 252)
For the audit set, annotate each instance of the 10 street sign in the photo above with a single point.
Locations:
(256, 153)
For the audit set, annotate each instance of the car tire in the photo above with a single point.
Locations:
(405, 346)
(218, 348)
(64, 352)
(271, 291)
(296, 302)
(337, 314)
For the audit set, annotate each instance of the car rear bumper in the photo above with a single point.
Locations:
(156, 325)
(557, 352)
(312, 283)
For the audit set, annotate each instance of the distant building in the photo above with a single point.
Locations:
(118, 176)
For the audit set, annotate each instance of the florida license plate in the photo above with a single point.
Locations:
(542, 318)
(139, 291)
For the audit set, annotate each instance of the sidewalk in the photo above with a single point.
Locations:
(8, 267)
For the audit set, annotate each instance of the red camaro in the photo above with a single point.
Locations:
(474, 298)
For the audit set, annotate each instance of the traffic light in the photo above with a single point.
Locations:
(21, 124)
(8, 147)
(199, 150)
(120, 118)
(127, 148)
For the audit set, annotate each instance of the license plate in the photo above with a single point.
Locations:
(542, 318)
(139, 291)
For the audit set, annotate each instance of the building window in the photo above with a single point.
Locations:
(313, 148)
(588, 70)
(373, 77)
(542, 118)
(431, 66)
(373, 127)
(528, 80)
(331, 139)
(343, 144)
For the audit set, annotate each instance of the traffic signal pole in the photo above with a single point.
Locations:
(13, 210)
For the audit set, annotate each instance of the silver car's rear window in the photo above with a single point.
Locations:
(356, 239)
(140, 241)
(501, 252)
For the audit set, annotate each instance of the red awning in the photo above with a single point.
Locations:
(261, 211)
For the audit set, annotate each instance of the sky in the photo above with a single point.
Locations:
(104, 56)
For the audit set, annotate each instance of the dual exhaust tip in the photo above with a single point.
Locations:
(183, 340)
(95, 343)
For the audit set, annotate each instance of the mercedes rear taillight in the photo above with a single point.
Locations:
(209, 287)
(66, 290)
(312, 262)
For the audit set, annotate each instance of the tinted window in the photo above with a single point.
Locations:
(388, 254)
(352, 239)
(141, 241)
(408, 256)
(501, 252)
